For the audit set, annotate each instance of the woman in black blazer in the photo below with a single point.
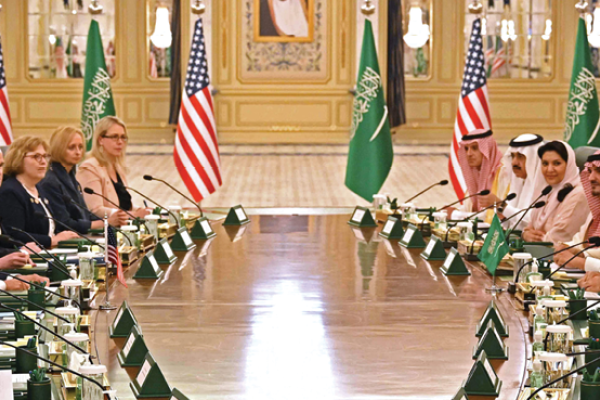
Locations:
(67, 147)
(20, 199)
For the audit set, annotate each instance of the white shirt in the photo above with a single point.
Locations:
(3, 283)
(51, 226)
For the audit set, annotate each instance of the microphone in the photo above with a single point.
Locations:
(7, 239)
(539, 204)
(148, 198)
(440, 183)
(41, 287)
(67, 198)
(44, 328)
(574, 256)
(53, 363)
(34, 304)
(482, 193)
(133, 217)
(508, 198)
(594, 240)
(151, 178)
(67, 227)
(532, 396)
(545, 192)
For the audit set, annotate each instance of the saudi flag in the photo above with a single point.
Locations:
(494, 247)
(371, 152)
(581, 126)
(97, 94)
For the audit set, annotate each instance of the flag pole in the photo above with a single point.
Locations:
(106, 306)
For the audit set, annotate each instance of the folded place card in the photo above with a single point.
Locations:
(392, 229)
(150, 381)
(454, 265)
(123, 323)
(163, 253)
(182, 241)
(236, 216)
(482, 379)
(149, 268)
(202, 229)
(362, 217)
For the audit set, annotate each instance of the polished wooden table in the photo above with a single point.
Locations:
(298, 307)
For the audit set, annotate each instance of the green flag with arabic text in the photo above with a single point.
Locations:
(97, 93)
(583, 117)
(371, 152)
(494, 247)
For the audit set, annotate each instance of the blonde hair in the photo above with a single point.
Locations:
(60, 139)
(99, 132)
(13, 163)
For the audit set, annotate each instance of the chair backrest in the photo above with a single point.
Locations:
(582, 153)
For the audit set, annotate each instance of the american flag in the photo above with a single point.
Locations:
(112, 255)
(6, 136)
(473, 111)
(196, 148)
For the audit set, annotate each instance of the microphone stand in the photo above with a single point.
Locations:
(99, 219)
(133, 217)
(149, 199)
(46, 329)
(41, 287)
(423, 191)
(53, 363)
(34, 304)
(151, 178)
(459, 201)
(60, 265)
(68, 228)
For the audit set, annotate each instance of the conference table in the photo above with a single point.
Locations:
(307, 307)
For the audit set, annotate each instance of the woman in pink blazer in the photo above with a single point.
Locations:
(104, 172)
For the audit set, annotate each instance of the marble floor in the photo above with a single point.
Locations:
(293, 175)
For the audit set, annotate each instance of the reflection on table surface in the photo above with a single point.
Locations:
(303, 307)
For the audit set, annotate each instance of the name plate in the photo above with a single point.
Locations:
(167, 248)
(236, 216)
(241, 214)
(206, 227)
(141, 378)
(128, 345)
(358, 216)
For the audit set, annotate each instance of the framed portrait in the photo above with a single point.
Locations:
(284, 20)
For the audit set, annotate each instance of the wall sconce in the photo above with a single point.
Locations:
(594, 35)
(418, 32)
(161, 37)
(507, 31)
(548, 32)
(198, 7)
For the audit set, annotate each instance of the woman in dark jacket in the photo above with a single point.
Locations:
(20, 198)
(67, 147)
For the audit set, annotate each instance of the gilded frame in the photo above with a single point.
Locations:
(310, 11)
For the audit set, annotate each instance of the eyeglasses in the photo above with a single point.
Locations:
(116, 138)
(39, 157)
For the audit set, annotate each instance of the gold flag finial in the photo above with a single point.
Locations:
(95, 7)
(368, 8)
(198, 7)
(582, 6)
(476, 7)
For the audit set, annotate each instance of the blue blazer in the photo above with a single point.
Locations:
(59, 183)
(18, 208)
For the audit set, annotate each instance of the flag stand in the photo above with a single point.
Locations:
(494, 289)
(106, 306)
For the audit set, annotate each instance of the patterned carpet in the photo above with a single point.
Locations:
(293, 175)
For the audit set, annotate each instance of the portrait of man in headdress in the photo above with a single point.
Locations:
(283, 20)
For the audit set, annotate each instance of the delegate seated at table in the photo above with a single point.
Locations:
(566, 206)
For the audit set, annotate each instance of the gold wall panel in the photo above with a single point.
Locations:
(297, 111)
(52, 110)
(284, 112)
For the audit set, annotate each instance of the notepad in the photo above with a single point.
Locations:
(6, 385)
